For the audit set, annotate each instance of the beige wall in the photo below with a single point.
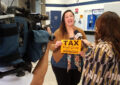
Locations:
(21, 3)
(32, 4)
(43, 10)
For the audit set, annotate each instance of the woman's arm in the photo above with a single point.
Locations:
(87, 47)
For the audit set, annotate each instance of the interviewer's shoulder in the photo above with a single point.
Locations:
(79, 29)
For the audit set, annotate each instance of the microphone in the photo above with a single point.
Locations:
(78, 35)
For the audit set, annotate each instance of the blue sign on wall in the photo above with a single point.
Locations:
(91, 22)
(55, 20)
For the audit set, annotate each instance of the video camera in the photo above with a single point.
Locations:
(28, 41)
(33, 18)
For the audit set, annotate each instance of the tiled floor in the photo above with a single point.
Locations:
(50, 78)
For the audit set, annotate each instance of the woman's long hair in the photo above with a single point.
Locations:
(62, 25)
(108, 29)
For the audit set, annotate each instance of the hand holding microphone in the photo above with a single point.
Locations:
(78, 36)
(86, 42)
(89, 44)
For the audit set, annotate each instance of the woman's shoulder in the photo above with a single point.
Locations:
(106, 47)
(104, 44)
(57, 31)
(58, 34)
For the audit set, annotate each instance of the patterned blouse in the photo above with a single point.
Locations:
(100, 66)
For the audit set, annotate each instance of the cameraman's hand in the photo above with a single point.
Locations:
(49, 30)
(58, 44)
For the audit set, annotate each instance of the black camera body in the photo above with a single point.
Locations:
(27, 40)
(32, 18)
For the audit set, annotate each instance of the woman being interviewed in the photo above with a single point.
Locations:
(63, 65)
(102, 61)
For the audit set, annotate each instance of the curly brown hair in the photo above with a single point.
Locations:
(108, 29)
